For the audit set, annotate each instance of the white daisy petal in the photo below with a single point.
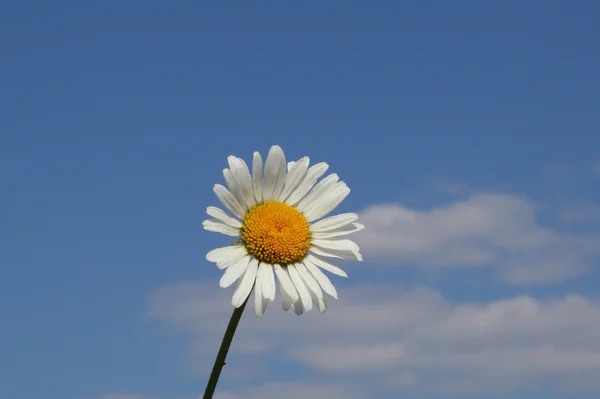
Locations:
(290, 165)
(234, 186)
(260, 304)
(258, 299)
(313, 174)
(339, 244)
(257, 175)
(321, 278)
(242, 173)
(324, 264)
(310, 281)
(229, 200)
(301, 287)
(264, 304)
(286, 300)
(269, 283)
(314, 289)
(275, 171)
(226, 256)
(321, 188)
(333, 222)
(294, 177)
(344, 249)
(234, 272)
(286, 282)
(327, 203)
(333, 253)
(342, 231)
(246, 283)
(321, 303)
(218, 227)
(299, 308)
(223, 217)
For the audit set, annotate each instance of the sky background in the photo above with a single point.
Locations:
(467, 131)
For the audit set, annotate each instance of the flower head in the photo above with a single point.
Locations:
(278, 219)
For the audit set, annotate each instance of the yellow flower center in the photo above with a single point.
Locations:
(276, 233)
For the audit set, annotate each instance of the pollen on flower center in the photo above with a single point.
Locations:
(276, 233)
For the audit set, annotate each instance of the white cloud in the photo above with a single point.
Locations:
(294, 391)
(483, 230)
(125, 396)
(412, 341)
(121, 395)
(484, 223)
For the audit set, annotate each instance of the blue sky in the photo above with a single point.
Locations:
(473, 126)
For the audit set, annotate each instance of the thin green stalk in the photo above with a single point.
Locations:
(225, 344)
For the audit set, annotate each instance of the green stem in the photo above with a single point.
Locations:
(225, 344)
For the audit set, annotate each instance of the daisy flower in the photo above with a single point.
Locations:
(277, 217)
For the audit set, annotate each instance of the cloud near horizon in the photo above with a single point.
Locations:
(292, 390)
(406, 340)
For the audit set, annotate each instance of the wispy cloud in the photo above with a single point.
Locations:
(583, 213)
(596, 168)
(486, 229)
(411, 340)
(557, 171)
